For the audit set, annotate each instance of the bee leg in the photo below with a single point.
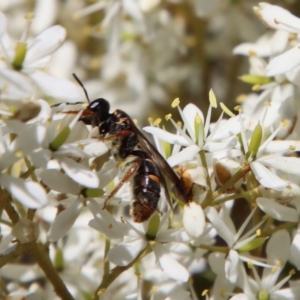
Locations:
(128, 174)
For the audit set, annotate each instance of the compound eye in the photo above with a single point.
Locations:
(94, 106)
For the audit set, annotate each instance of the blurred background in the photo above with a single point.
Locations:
(142, 54)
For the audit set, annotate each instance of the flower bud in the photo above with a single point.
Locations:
(257, 242)
(224, 169)
(193, 219)
(255, 141)
(255, 79)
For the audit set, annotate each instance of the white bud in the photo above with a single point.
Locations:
(193, 219)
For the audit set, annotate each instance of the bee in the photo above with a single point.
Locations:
(142, 165)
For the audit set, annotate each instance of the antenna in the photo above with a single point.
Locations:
(81, 84)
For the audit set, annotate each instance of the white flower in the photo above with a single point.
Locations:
(266, 286)
(152, 233)
(279, 18)
(225, 229)
(24, 63)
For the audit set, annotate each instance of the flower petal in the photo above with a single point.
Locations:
(277, 17)
(57, 181)
(79, 173)
(278, 250)
(289, 165)
(166, 136)
(62, 89)
(2, 24)
(220, 226)
(170, 265)
(284, 62)
(231, 263)
(29, 193)
(186, 154)
(104, 222)
(267, 178)
(295, 248)
(19, 81)
(45, 43)
(124, 254)
(64, 221)
(277, 211)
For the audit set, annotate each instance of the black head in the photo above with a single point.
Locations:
(100, 109)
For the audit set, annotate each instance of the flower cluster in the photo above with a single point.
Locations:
(65, 199)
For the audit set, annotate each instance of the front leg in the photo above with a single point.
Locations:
(128, 174)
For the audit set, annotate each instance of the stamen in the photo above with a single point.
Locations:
(212, 99)
(226, 110)
(29, 16)
(157, 122)
(168, 117)
(175, 103)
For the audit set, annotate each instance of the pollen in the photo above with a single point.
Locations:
(256, 87)
(292, 147)
(212, 99)
(274, 268)
(19, 154)
(250, 264)
(168, 116)
(29, 16)
(241, 98)
(252, 53)
(175, 103)
(157, 122)
(258, 232)
(292, 272)
(284, 123)
(150, 120)
(238, 108)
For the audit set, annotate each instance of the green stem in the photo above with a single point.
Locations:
(51, 273)
(287, 225)
(249, 194)
(117, 271)
(208, 200)
(31, 169)
(10, 210)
